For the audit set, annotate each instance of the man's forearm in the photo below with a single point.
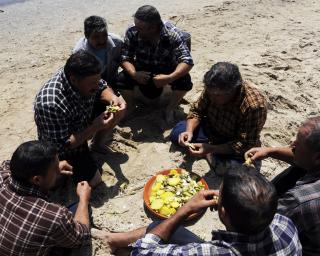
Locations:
(79, 138)
(192, 124)
(281, 153)
(107, 95)
(129, 68)
(82, 213)
(166, 228)
(181, 70)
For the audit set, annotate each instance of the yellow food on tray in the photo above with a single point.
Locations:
(169, 192)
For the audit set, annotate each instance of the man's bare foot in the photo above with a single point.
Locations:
(105, 237)
(113, 241)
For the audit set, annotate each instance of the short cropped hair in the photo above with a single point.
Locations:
(32, 158)
(82, 64)
(223, 76)
(148, 14)
(94, 24)
(249, 199)
(313, 138)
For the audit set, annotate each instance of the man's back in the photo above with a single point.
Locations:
(302, 205)
(280, 238)
(29, 225)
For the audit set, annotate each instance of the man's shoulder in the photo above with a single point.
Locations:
(115, 38)
(253, 97)
(82, 44)
(305, 193)
(131, 31)
(53, 90)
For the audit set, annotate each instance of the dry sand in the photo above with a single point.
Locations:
(274, 42)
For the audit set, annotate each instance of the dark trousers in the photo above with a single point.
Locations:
(149, 90)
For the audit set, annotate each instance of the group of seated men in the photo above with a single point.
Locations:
(281, 217)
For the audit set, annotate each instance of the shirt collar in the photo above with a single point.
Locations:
(110, 43)
(309, 178)
(164, 32)
(231, 237)
(26, 189)
(71, 92)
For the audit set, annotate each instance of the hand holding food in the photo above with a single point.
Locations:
(190, 145)
(185, 137)
(202, 200)
(249, 161)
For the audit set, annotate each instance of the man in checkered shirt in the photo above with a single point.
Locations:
(29, 224)
(246, 206)
(227, 118)
(298, 187)
(154, 55)
(70, 109)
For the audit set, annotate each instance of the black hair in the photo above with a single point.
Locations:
(249, 199)
(32, 158)
(148, 14)
(94, 24)
(82, 64)
(224, 76)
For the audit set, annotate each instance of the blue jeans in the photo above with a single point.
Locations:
(180, 236)
(199, 134)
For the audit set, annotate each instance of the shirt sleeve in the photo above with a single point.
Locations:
(249, 130)
(128, 47)
(199, 109)
(152, 245)
(80, 45)
(70, 233)
(4, 171)
(181, 50)
(305, 216)
(53, 124)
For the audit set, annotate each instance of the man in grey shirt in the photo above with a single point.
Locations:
(105, 46)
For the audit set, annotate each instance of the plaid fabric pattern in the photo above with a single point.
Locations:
(29, 225)
(166, 54)
(280, 238)
(60, 111)
(240, 122)
(302, 205)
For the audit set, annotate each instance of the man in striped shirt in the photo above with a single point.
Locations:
(298, 187)
(29, 224)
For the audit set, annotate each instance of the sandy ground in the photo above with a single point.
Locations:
(275, 43)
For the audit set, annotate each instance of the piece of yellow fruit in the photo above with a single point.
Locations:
(175, 205)
(156, 187)
(160, 178)
(160, 192)
(173, 171)
(167, 211)
(156, 204)
(152, 198)
(167, 194)
(173, 181)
